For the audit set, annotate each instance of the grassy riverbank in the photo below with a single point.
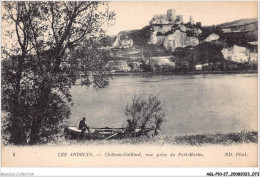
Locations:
(226, 139)
(242, 137)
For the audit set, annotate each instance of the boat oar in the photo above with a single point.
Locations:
(111, 136)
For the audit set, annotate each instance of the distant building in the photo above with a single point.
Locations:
(198, 67)
(118, 65)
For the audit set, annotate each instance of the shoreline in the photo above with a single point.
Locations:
(182, 73)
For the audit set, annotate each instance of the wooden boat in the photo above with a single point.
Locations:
(101, 133)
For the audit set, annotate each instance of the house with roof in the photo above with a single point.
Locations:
(118, 65)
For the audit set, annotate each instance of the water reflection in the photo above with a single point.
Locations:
(193, 103)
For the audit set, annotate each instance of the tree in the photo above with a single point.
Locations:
(57, 43)
(144, 113)
(12, 68)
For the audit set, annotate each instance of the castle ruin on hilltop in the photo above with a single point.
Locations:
(170, 30)
(165, 19)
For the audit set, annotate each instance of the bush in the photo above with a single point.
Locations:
(143, 114)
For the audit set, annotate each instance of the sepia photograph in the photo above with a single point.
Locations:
(129, 84)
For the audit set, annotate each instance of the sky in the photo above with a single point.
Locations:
(137, 14)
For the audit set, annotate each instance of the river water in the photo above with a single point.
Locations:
(194, 104)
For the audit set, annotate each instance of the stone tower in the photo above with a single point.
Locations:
(171, 15)
(191, 20)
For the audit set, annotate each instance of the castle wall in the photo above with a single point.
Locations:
(180, 17)
(162, 29)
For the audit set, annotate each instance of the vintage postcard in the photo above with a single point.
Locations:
(129, 84)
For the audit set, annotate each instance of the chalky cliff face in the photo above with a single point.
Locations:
(123, 41)
(170, 31)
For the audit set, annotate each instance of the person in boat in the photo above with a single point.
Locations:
(83, 127)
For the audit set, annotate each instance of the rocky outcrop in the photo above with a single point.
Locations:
(154, 39)
(253, 57)
(174, 40)
(212, 37)
(239, 54)
(123, 41)
(191, 41)
(179, 39)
